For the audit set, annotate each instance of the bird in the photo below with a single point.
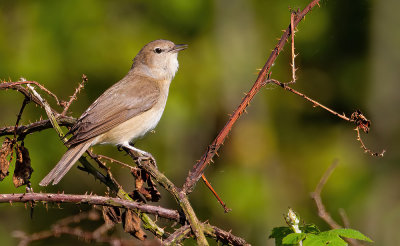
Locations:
(127, 110)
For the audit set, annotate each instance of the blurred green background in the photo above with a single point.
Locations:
(349, 58)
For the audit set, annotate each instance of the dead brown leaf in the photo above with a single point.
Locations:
(6, 149)
(23, 169)
(112, 215)
(142, 193)
(361, 121)
(131, 224)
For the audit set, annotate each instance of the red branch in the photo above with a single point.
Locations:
(198, 169)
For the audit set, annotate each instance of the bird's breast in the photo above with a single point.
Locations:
(137, 126)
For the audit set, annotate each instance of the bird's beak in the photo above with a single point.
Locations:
(178, 47)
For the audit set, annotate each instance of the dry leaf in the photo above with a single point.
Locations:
(112, 215)
(361, 121)
(6, 149)
(23, 169)
(142, 193)
(131, 224)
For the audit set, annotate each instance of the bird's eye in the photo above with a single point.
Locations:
(158, 50)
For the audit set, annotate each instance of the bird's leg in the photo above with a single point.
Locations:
(141, 155)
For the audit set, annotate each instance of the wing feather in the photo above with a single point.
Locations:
(131, 96)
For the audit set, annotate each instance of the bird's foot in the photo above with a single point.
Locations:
(149, 158)
(140, 155)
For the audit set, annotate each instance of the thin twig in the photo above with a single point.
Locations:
(25, 82)
(16, 86)
(316, 195)
(367, 150)
(226, 209)
(24, 103)
(315, 103)
(112, 160)
(292, 30)
(74, 96)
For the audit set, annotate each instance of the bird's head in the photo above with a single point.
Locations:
(159, 59)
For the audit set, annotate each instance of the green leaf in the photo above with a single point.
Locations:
(312, 240)
(333, 237)
(323, 240)
(278, 233)
(293, 238)
(350, 233)
(310, 228)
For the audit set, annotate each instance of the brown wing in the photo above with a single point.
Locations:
(129, 97)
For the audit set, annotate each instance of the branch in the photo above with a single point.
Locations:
(178, 236)
(198, 169)
(74, 96)
(91, 200)
(316, 195)
(170, 214)
(315, 103)
(36, 126)
(367, 150)
(322, 213)
(17, 85)
(224, 236)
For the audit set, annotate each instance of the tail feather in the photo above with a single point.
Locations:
(65, 164)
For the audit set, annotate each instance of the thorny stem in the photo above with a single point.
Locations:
(24, 82)
(91, 200)
(292, 31)
(74, 96)
(367, 150)
(315, 103)
(198, 169)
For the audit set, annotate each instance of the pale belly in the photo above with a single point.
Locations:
(133, 129)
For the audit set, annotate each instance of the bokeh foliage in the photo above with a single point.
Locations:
(349, 59)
